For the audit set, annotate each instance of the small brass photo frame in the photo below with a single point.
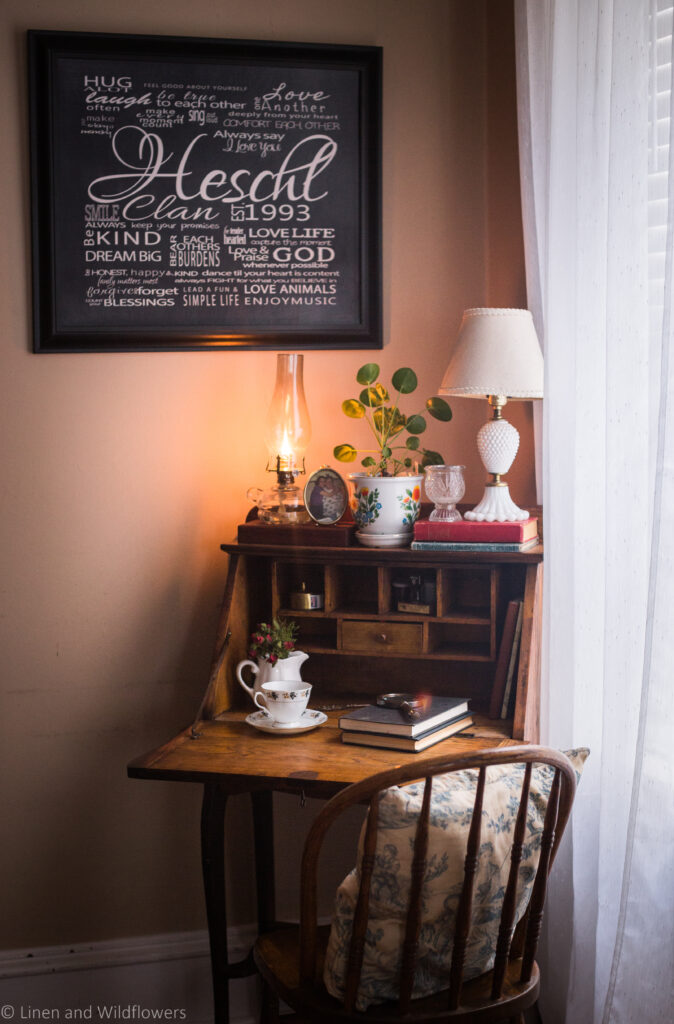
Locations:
(326, 496)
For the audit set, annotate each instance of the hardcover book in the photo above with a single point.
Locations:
(503, 660)
(413, 744)
(477, 533)
(439, 545)
(373, 719)
(512, 663)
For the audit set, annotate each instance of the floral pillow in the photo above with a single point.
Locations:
(451, 810)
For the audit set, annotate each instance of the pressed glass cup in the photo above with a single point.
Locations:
(445, 486)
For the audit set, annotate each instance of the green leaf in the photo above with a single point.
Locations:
(368, 373)
(439, 409)
(405, 380)
(368, 461)
(412, 443)
(374, 396)
(345, 453)
(407, 463)
(386, 452)
(432, 458)
(353, 408)
(416, 424)
(389, 422)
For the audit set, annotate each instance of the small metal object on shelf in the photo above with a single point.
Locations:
(416, 596)
(303, 601)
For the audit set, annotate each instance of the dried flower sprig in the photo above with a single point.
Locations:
(273, 641)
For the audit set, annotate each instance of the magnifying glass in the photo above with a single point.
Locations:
(409, 704)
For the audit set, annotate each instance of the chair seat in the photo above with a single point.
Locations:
(277, 958)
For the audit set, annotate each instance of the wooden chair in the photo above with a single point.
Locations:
(290, 959)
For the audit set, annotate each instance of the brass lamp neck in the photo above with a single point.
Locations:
(497, 402)
(284, 477)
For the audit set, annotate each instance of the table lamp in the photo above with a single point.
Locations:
(497, 356)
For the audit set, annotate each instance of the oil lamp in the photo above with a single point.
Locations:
(287, 434)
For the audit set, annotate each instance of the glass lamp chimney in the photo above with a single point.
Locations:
(288, 427)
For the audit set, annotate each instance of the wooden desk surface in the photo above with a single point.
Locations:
(241, 759)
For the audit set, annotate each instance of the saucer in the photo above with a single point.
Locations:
(384, 540)
(308, 720)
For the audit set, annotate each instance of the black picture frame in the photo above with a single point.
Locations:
(196, 193)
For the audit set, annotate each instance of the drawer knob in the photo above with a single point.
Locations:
(383, 639)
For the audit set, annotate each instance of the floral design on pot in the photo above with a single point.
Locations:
(366, 505)
(410, 503)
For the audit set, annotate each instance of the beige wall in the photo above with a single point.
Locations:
(123, 473)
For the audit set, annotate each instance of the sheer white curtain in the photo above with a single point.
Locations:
(603, 306)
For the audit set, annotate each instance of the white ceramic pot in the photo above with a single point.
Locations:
(385, 508)
(287, 669)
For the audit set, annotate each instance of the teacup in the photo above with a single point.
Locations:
(285, 701)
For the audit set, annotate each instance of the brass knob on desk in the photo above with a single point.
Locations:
(383, 639)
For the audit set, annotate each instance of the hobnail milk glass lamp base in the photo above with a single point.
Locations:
(497, 443)
(497, 507)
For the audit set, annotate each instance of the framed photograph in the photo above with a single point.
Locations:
(204, 193)
(326, 496)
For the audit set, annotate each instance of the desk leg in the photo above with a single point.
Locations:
(263, 830)
(213, 869)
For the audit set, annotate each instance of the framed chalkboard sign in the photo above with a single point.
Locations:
(204, 193)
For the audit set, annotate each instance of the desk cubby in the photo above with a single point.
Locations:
(362, 642)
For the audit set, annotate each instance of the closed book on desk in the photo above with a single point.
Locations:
(440, 545)
(412, 744)
(468, 532)
(391, 721)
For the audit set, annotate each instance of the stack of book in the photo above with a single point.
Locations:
(374, 726)
(463, 535)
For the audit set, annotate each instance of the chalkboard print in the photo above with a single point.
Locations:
(194, 193)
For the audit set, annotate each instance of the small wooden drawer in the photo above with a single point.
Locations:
(382, 637)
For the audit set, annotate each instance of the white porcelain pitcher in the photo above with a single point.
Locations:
(264, 672)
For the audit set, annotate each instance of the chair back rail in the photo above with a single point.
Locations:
(368, 792)
(465, 908)
(509, 900)
(413, 922)
(541, 880)
(357, 945)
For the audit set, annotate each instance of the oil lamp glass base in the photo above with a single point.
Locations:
(281, 504)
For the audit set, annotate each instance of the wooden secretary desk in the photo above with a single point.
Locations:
(359, 645)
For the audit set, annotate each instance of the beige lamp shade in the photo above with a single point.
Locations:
(496, 353)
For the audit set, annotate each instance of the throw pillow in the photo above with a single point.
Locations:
(451, 810)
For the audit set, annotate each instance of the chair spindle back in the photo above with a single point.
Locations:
(369, 791)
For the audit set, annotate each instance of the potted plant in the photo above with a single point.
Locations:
(387, 495)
